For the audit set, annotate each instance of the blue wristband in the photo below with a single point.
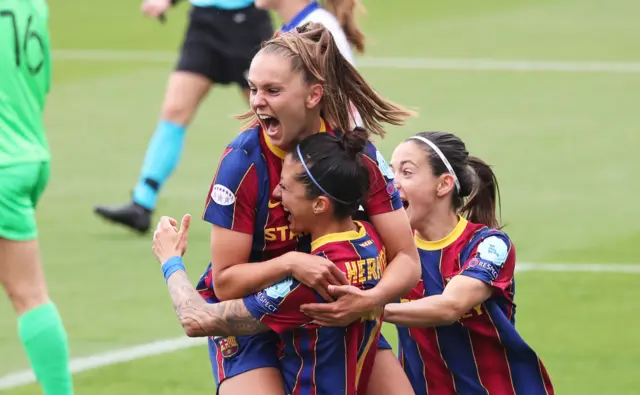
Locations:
(171, 266)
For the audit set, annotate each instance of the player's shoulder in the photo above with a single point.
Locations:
(240, 165)
(368, 227)
(490, 244)
(372, 154)
(370, 232)
(243, 151)
(475, 233)
(248, 140)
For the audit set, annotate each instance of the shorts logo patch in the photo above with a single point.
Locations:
(222, 195)
(228, 346)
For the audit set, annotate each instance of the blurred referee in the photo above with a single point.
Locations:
(221, 39)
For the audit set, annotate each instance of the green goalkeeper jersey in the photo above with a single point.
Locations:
(25, 78)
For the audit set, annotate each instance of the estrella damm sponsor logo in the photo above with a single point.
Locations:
(280, 233)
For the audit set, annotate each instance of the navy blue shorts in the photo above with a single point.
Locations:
(234, 355)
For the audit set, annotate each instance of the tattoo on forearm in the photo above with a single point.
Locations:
(200, 318)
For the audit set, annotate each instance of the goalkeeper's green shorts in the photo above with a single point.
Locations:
(21, 186)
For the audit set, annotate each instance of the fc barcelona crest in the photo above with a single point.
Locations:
(228, 346)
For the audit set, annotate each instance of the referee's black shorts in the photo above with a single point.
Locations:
(219, 44)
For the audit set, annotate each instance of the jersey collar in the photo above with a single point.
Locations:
(444, 242)
(342, 236)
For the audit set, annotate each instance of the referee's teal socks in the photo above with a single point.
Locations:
(163, 155)
(45, 341)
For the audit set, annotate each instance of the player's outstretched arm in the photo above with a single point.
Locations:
(489, 270)
(459, 297)
(199, 318)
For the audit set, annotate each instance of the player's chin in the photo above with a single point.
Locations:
(410, 213)
(294, 228)
(276, 139)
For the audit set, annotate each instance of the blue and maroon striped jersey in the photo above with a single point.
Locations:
(240, 196)
(326, 360)
(482, 353)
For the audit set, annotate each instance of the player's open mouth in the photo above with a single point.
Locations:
(270, 124)
(405, 204)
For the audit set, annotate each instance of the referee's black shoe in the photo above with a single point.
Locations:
(131, 215)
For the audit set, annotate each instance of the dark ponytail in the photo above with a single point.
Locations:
(478, 183)
(481, 205)
(336, 164)
(353, 143)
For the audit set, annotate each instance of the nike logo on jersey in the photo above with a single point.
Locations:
(273, 204)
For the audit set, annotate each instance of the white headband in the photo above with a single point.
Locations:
(442, 157)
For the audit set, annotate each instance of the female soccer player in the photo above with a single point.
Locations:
(457, 326)
(25, 70)
(300, 85)
(324, 361)
(221, 39)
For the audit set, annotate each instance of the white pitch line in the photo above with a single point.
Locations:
(385, 62)
(117, 356)
(113, 357)
(577, 267)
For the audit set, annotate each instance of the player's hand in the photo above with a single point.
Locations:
(352, 303)
(155, 8)
(317, 273)
(169, 241)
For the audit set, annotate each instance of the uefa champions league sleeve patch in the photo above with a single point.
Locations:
(281, 289)
(494, 250)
